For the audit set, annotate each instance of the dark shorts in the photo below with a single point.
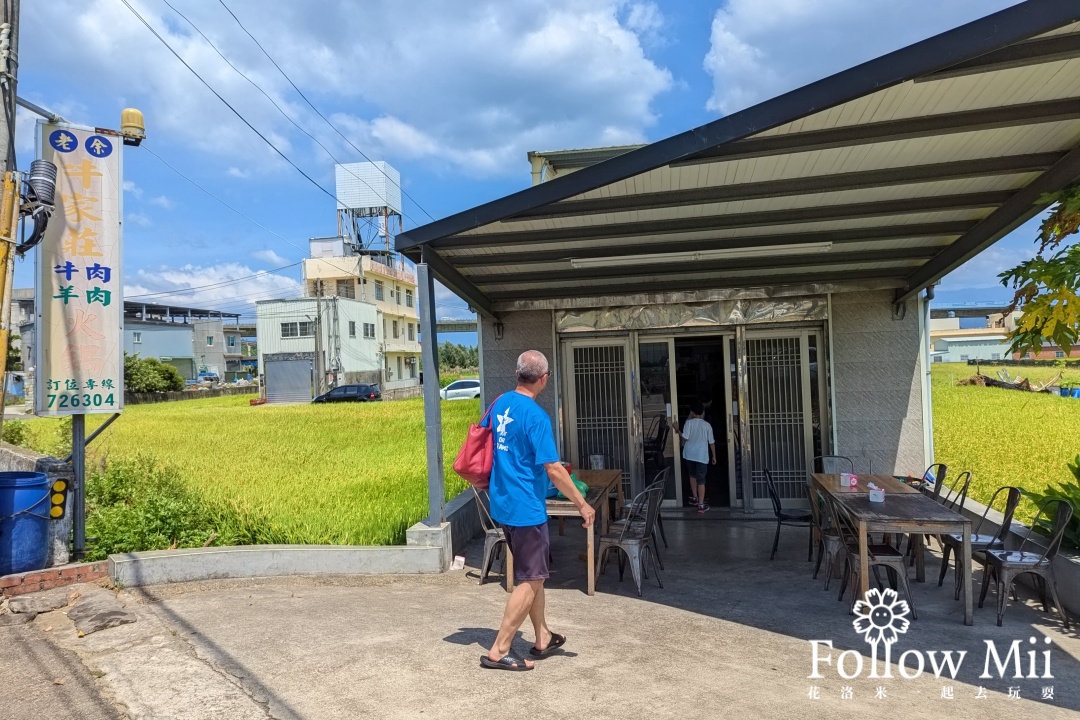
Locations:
(697, 470)
(530, 546)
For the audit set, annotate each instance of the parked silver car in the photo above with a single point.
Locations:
(461, 390)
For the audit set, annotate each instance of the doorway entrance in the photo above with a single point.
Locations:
(701, 379)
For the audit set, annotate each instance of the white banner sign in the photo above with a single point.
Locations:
(80, 303)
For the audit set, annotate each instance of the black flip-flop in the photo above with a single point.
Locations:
(556, 642)
(510, 661)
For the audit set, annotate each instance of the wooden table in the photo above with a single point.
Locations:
(601, 483)
(905, 510)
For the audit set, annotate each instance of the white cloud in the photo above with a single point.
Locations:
(238, 173)
(201, 286)
(162, 201)
(471, 86)
(269, 257)
(138, 219)
(762, 49)
(131, 187)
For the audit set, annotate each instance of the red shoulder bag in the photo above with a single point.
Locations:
(476, 455)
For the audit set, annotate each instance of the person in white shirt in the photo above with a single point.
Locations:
(699, 450)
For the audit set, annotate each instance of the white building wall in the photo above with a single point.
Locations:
(964, 350)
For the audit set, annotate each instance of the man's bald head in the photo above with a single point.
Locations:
(531, 366)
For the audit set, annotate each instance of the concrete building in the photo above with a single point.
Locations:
(192, 340)
(774, 260)
(383, 281)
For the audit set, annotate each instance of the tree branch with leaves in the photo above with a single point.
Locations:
(1047, 287)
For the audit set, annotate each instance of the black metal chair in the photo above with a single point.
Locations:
(980, 542)
(494, 537)
(878, 555)
(656, 442)
(791, 518)
(951, 496)
(830, 544)
(1004, 566)
(635, 540)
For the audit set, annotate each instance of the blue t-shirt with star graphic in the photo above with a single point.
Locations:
(523, 442)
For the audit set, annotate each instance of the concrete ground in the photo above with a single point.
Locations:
(727, 635)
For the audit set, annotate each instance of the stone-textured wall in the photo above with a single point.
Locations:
(878, 381)
(529, 330)
(19, 459)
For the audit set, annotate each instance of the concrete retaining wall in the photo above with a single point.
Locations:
(19, 459)
(464, 519)
(403, 393)
(249, 561)
(144, 398)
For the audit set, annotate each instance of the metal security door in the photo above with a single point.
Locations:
(598, 412)
(288, 381)
(778, 415)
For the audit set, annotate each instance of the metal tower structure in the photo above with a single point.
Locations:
(369, 207)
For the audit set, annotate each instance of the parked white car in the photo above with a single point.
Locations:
(461, 390)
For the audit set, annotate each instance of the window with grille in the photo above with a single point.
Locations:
(306, 329)
(776, 415)
(602, 420)
(398, 294)
(379, 290)
(346, 288)
(369, 331)
(395, 329)
(352, 329)
(136, 337)
(209, 340)
(412, 332)
(408, 298)
(289, 330)
(231, 341)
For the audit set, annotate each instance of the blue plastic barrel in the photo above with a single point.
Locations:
(24, 521)
(1076, 392)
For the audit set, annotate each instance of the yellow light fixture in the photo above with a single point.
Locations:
(132, 126)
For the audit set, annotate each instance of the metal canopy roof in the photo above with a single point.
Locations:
(895, 171)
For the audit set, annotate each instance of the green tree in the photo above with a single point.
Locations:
(143, 375)
(14, 359)
(1047, 287)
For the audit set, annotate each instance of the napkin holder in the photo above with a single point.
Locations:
(877, 495)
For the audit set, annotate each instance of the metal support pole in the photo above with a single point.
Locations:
(432, 399)
(78, 496)
(743, 382)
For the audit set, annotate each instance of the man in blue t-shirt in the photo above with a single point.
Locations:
(525, 459)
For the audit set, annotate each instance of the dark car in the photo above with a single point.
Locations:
(351, 393)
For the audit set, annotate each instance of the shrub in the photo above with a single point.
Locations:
(1069, 491)
(137, 505)
(145, 375)
(16, 432)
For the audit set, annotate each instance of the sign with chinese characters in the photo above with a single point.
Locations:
(79, 352)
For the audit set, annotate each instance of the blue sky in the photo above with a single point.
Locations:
(452, 95)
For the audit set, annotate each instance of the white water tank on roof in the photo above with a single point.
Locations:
(368, 187)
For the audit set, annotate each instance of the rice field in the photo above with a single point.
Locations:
(356, 473)
(348, 473)
(1004, 437)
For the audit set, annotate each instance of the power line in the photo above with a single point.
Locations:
(226, 102)
(274, 102)
(166, 163)
(217, 284)
(317, 112)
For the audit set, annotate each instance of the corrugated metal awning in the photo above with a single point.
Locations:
(895, 171)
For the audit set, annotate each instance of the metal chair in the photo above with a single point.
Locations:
(954, 494)
(935, 476)
(1004, 566)
(494, 537)
(830, 544)
(980, 542)
(635, 540)
(878, 555)
(792, 518)
(833, 464)
(658, 483)
(656, 442)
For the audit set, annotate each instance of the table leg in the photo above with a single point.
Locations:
(968, 579)
(864, 561)
(920, 557)
(591, 567)
(560, 527)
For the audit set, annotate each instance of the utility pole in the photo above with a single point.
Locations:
(9, 182)
(320, 370)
